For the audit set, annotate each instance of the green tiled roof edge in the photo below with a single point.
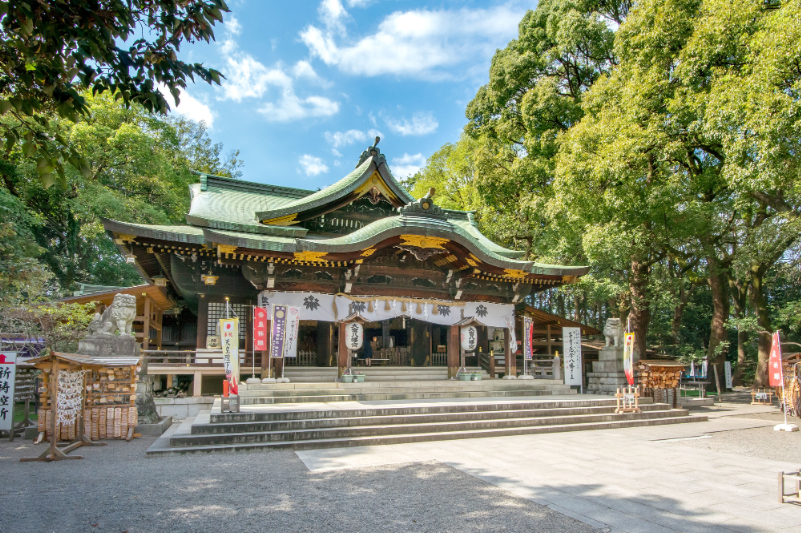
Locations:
(253, 242)
(210, 180)
(187, 234)
(283, 231)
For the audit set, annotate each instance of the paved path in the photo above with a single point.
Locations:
(627, 480)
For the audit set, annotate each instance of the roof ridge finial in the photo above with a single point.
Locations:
(377, 140)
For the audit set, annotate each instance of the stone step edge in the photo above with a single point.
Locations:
(443, 427)
(425, 418)
(427, 409)
(155, 451)
(373, 397)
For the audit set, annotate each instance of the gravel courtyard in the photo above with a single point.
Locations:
(116, 489)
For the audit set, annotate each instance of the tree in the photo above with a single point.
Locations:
(50, 52)
(139, 168)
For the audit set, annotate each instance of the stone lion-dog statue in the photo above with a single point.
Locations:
(613, 332)
(119, 315)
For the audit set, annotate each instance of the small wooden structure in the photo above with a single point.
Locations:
(99, 395)
(628, 401)
(657, 378)
(761, 397)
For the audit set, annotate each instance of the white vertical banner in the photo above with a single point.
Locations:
(571, 344)
(229, 337)
(727, 372)
(8, 373)
(355, 336)
(292, 331)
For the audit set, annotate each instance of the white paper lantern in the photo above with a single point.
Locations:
(469, 336)
(354, 335)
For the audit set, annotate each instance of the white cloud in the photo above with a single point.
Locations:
(407, 165)
(189, 106)
(358, 3)
(373, 133)
(418, 43)
(312, 166)
(420, 124)
(344, 138)
(336, 153)
(332, 14)
(232, 25)
(246, 77)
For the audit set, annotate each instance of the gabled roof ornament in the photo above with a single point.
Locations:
(373, 151)
(425, 207)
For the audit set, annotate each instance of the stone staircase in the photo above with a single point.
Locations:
(266, 428)
(396, 389)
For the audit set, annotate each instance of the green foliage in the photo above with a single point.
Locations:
(139, 168)
(50, 52)
(60, 325)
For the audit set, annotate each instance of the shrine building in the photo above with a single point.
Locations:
(361, 249)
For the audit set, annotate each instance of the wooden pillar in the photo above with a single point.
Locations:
(325, 344)
(146, 324)
(342, 355)
(160, 324)
(548, 338)
(265, 356)
(202, 322)
(278, 365)
(508, 364)
(454, 345)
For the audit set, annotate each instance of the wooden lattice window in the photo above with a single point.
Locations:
(217, 311)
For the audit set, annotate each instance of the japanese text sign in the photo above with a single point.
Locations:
(259, 329)
(571, 343)
(469, 337)
(8, 373)
(229, 339)
(278, 331)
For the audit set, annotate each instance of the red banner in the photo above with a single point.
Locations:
(775, 371)
(259, 329)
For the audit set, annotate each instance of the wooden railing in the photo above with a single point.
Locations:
(304, 358)
(195, 359)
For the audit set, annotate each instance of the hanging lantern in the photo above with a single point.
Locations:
(469, 338)
(355, 336)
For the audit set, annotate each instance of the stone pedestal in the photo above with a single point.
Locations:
(109, 345)
(607, 373)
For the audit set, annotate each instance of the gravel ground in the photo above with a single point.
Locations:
(763, 443)
(116, 489)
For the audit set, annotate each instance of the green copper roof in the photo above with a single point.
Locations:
(251, 240)
(338, 190)
(223, 203)
(187, 234)
(385, 228)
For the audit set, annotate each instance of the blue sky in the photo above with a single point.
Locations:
(310, 84)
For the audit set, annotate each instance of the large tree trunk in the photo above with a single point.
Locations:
(760, 305)
(640, 314)
(740, 298)
(719, 284)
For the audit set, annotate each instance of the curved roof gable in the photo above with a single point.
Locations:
(371, 173)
